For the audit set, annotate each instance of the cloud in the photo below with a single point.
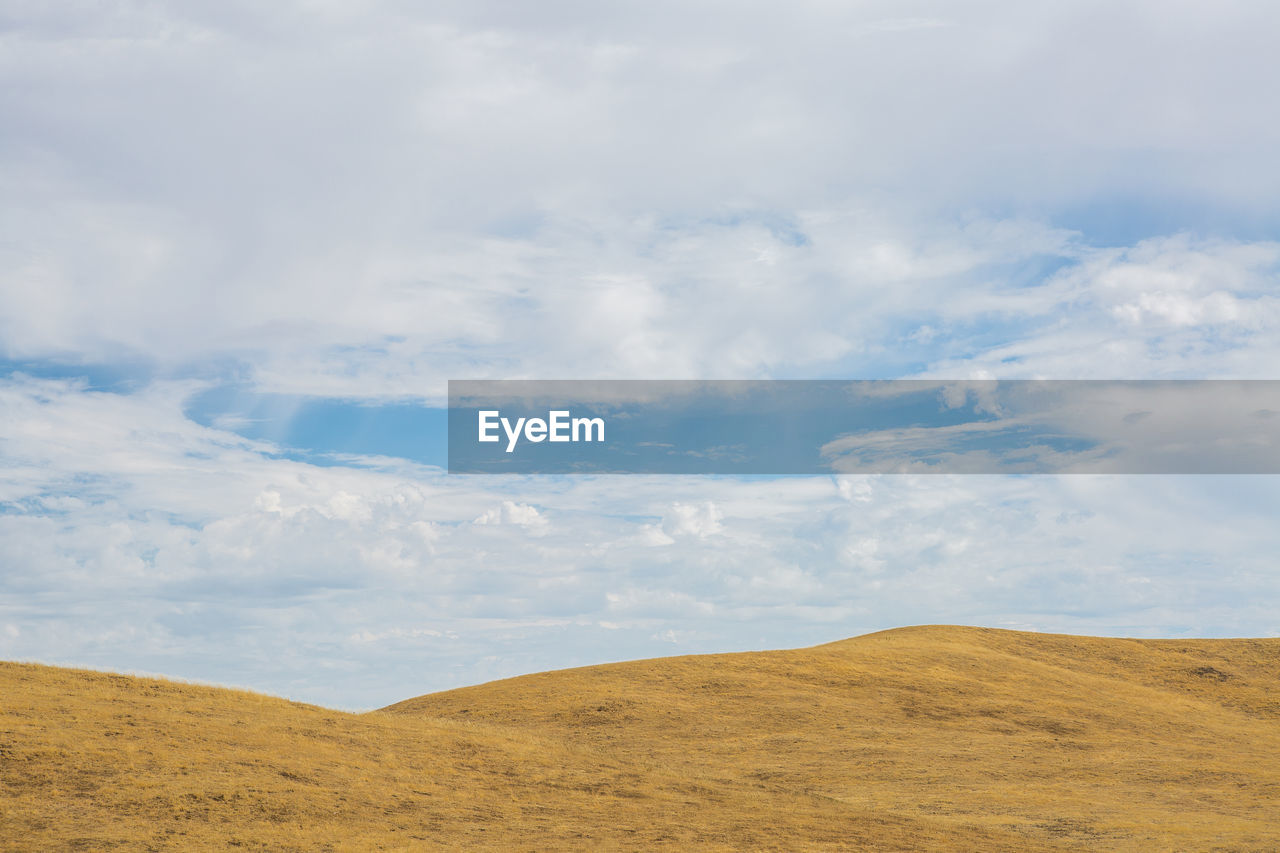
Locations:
(510, 512)
(1170, 307)
(1068, 427)
(194, 552)
(363, 200)
(692, 520)
(362, 203)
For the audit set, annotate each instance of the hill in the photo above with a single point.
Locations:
(931, 738)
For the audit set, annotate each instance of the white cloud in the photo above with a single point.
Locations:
(699, 520)
(192, 552)
(363, 202)
(510, 512)
(1163, 308)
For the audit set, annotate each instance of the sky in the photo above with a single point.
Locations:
(244, 246)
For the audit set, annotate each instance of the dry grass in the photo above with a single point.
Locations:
(934, 738)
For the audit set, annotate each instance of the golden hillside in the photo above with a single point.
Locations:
(935, 738)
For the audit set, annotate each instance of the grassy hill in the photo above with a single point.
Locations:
(931, 738)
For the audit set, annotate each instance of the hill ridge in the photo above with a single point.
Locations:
(917, 738)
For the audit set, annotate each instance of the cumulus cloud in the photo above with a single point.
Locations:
(510, 512)
(692, 520)
(1169, 307)
(198, 553)
(362, 200)
(366, 202)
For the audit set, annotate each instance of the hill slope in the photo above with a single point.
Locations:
(920, 738)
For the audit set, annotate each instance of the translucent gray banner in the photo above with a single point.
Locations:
(871, 426)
